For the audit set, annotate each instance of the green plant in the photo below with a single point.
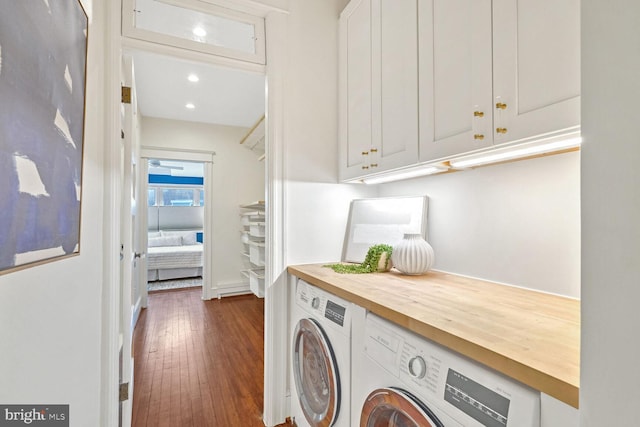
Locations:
(370, 264)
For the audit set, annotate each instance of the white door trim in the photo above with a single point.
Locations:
(112, 190)
(276, 404)
(276, 407)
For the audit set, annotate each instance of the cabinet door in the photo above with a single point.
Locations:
(355, 89)
(536, 66)
(455, 77)
(395, 84)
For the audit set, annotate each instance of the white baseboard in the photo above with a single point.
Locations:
(231, 289)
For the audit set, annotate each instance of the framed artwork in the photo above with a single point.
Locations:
(43, 55)
(382, 220)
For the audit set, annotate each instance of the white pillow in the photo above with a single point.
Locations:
(189, 238)
(165, 241)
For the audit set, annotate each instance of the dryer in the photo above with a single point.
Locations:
(321, 358)
(402, 379)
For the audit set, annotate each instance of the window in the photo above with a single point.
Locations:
(178, 196)
(165, 195)
(151, 197)
(197, 26)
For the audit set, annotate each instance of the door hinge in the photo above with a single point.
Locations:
(124, 392)
(126, 95)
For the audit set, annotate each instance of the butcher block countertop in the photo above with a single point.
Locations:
(530, 336)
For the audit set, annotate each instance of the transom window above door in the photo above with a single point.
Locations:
(195, 25)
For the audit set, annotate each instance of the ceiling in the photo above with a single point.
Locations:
(221, 95)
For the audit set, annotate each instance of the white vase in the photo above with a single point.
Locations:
(412, 255)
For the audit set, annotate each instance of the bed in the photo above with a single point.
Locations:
(173, 255)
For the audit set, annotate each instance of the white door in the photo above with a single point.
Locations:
(129, 235)
(394, 32)
(355, 89)
(455, 77)
(378, 87)
(536, 50)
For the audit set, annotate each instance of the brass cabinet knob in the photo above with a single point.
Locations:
(478, 136)
(365, 167)
(374, 150)
(478, 114)
(501, 106)
(501, 130)
(374, 165)
(364, 153)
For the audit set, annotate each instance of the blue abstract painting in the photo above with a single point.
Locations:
(43, 50)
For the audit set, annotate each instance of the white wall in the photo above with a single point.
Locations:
(316, 206)
(610, 353)
(516, 223)
(50, 315)
(238, 178)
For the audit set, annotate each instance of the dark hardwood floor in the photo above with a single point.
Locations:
(199, 363)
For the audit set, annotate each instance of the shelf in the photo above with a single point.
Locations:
(253, 213)
(253, 222)
(258, 204)
(254, 139)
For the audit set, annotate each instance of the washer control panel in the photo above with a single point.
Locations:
(420, 366)
(463, 388)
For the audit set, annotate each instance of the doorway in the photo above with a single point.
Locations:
(274, 13)
(175, 224)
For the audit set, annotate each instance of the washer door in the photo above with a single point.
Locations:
(393, 407)
(316, 374)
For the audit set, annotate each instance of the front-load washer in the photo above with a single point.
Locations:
(402, 379)
(321, 358)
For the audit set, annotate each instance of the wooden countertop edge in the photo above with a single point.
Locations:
(548, 384)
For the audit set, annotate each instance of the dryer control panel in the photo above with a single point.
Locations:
(322, 304)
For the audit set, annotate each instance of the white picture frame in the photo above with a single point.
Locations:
(382, 220)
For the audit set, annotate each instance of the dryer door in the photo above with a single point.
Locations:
(316, 374)
(392, 407)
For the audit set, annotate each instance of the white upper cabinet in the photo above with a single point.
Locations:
(378, 126)
(428, 80)
(493, 72)
(455, 77)
(536, 66)
(355, 87)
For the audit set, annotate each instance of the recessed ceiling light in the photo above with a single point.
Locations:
(199, 31)
(190, 106)
(193, 78)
